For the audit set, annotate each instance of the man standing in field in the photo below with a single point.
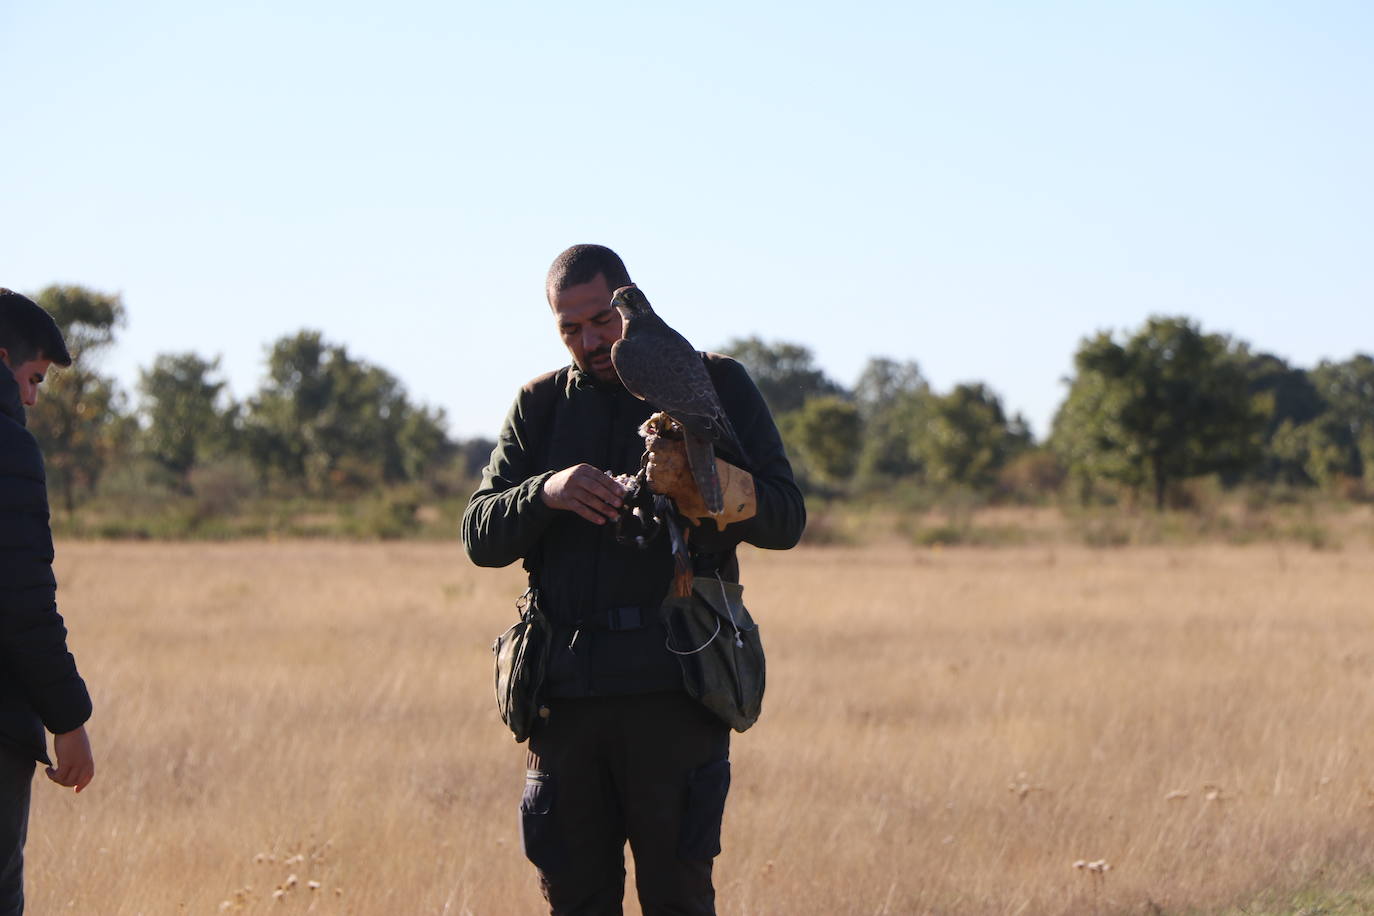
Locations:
(621, 752)
(39, 684)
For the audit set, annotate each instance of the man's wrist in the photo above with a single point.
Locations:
(536, 496)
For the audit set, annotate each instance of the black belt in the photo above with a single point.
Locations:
(630, 617)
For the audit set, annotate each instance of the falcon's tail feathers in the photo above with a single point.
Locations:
(701, 457)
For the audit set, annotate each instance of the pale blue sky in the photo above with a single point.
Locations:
(972, 186)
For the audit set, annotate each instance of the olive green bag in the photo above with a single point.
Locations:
(717, 643)
(522, 654)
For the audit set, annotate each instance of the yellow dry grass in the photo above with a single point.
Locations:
(945, 732)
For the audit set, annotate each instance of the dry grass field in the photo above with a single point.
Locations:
(308, 727)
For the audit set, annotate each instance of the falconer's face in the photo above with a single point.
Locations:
(589, 324)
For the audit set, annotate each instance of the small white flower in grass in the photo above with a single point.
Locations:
(1021, 786)
(291, 881)
(313, 885)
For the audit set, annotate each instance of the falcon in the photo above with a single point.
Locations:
(656, 364)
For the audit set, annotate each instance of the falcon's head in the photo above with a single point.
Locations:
(631, 302)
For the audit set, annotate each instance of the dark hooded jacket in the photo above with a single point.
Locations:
(39, 684)
(565, 418)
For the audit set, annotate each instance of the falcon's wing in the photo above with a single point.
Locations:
(668, 373)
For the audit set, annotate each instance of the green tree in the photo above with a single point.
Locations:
(184, 422)
(786, 373)
(422, 442)
(1287, 398)
(1347, 420)
(827, 431)
(79, 420)
(1316, 451)
(966, 437)
(893, 398)
(472, 455)
(331, 421)
(1168, 404)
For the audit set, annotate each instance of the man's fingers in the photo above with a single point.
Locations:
(71, 775)
(606, 489)
(603, 505)
(595, 503)
(585, 490)
(601, 494)
(592, 513)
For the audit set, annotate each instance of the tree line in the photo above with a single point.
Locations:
(1145, 412)
(323, 424)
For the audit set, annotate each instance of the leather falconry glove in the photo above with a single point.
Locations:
(668, 473)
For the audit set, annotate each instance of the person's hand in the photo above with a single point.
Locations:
(669, 473)
(75, 764)
(583, 489)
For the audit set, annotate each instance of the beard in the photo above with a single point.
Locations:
(608, 374)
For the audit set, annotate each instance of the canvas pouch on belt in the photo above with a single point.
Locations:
(717, 644)
(522, 656)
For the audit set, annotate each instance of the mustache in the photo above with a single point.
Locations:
(598, 353)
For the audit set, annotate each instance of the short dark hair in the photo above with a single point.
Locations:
(28, 332)
(581, 264)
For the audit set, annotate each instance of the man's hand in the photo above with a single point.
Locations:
(669, 473)
(75, 764)
(583, 489)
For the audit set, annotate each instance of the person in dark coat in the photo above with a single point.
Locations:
(40, 689)
(621, 753)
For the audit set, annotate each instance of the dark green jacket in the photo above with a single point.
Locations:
(566, 418)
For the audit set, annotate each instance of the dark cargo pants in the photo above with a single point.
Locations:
(16, 779)
(652, 769)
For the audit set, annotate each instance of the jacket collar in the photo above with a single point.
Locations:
(585, 380)
(10, 405)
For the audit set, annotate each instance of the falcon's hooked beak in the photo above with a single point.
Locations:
(630, 301)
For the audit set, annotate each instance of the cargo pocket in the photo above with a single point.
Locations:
(706, 790)
(538, 828)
